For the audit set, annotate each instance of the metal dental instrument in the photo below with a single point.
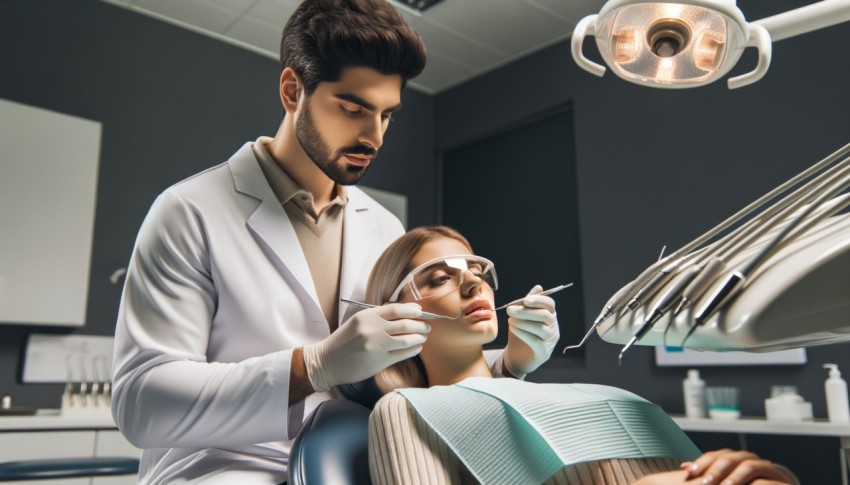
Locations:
(544, 293)
(615, 302)
(84, 382)
(422, 314)
(697, 286)
(606, 312)
(735, 281)
(106, 392)
(68, 395)
(745, 235)
(95, 386)
(627, 291)
(431, 316)
(660, 308)
(648, 289)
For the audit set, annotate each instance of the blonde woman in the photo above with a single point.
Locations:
(436, 268)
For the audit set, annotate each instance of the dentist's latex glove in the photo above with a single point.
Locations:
(533, 333)
(368, 342)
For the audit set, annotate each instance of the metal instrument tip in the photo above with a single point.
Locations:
(625, 348)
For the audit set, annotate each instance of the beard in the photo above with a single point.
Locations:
(314, 146)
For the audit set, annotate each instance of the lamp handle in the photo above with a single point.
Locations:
(586, 24)
(759, 37)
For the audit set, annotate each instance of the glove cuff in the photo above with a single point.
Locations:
(506, 366)
(317, 371)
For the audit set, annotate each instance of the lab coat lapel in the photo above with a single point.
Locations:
(270, 224)
(358, 243)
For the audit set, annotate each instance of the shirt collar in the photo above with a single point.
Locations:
(286, 189)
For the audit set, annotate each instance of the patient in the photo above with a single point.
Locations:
(403, 448)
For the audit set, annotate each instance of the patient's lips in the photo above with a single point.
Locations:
(478, 309)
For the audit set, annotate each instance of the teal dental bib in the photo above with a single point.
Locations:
(511, 431)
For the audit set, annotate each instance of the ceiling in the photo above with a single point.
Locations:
(464, 38)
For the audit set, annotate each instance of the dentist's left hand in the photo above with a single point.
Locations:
(533, 333)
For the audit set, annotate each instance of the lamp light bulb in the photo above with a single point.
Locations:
(709, 50)
(627, 45)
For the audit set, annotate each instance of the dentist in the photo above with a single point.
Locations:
(230, 322)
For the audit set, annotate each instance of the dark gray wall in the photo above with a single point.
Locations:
(172, 103)
(661, 167)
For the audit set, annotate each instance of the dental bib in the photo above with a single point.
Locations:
(511, 431)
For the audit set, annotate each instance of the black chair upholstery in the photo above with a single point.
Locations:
(332, 446)
(67, 468)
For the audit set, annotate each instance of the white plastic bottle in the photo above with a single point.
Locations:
(694, 388)
(836, 396)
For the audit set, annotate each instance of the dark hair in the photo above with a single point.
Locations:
(322, 37)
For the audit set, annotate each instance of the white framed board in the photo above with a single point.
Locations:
(48, 190)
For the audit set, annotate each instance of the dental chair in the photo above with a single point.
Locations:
(333, 444)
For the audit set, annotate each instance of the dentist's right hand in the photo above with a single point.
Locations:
(368, 342)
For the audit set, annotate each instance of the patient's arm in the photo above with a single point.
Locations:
(725, 466)
(404, 450)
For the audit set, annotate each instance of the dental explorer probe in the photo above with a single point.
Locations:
(422, 314)
(543, 293)
(606, 312)
(614, 303)
(734, 282)
(431, 316)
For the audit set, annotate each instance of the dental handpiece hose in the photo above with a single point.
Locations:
(734, 282)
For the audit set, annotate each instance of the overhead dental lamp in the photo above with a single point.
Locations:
(690, 43)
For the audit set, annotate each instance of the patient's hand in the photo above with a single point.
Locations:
(726, 467)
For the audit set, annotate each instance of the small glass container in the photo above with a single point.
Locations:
(722, 402)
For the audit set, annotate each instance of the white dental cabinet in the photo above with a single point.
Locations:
(46, 436)
(84, 427)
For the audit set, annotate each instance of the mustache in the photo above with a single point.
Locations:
(360, 150)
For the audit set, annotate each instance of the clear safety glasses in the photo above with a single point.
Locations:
(444, 275)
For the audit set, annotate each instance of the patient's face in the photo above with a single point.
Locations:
(477, 324)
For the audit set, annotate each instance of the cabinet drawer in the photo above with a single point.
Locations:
(33, 445)
(113, 443)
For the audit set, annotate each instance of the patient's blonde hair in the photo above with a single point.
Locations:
(393, 265)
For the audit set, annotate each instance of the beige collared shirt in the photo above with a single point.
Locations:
(320, 234)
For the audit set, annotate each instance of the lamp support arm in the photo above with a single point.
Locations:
(806, 19)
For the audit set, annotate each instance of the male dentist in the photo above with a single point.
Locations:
(231, 315)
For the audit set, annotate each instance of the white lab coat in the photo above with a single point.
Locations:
(218, 294)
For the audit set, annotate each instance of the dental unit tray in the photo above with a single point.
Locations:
(774, 276)
(800, 297)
